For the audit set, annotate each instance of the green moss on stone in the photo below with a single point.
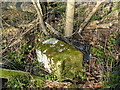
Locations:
(67, 60)
(7, 73)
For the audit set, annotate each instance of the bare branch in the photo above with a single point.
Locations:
(19, 37)
(84, 24)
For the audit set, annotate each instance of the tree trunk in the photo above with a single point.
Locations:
(39, 12)
(69, 18)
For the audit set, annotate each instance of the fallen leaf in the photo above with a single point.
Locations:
(97, 85)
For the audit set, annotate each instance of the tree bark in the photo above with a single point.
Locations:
(69, 18)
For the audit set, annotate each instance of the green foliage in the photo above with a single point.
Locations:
(23, 81)
(18, 58)
(18, 81)
(112, 43)
(111, 40)
(82, 9)
(82, 75)
(103, 53)
(51, 77)
(113, 78)
(62, 9)
(95, 17)
(98, 52)
(78, 22)
(111, 59)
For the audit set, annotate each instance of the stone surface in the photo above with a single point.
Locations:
(60, 58)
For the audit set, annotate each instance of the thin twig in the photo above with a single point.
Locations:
(21, 36)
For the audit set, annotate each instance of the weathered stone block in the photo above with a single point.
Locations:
(59, 58)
